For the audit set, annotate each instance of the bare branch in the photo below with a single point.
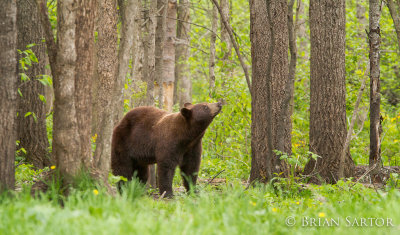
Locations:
(235, 45)
(353, 120)
(188, 22)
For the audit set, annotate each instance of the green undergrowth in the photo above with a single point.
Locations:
(230, 208)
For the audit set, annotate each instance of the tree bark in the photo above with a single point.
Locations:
(136, 71)
(183, 83)
(84, 43)
(286, 109)
(31, 130)
(395, 13)
(106, 51)
(168, 74)
(148, 41)
(48, 35)
(69, 59)
(375, 97)
(225, 11)
(162, 11)
(66, 146)
(213, 38)
(328, 90)
(269, 47)
(8, 92)
(300, 26)
(149, 49)
(360, 14)
(124, 54)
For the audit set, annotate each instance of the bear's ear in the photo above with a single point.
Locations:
(186, 105)
(187, 113)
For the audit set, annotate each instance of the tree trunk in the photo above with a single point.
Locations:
(328, 90)
(124, 54)
(224, 32)
(168, 79)
(184, 92)
(375, 97)
(8, 92)
(31, 130)
(160, 36)
(136, 72)
(148, 41)
(395, 13)
(149, 49)
(287, 100)
(269, 47)
(213, 38)
(106, 51)
(49, 36)
(66, 146)
(69, 59)
(226, 46)
(360, 14)
(301, 22)
(84, 43)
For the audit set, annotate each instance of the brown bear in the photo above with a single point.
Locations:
(147, 135)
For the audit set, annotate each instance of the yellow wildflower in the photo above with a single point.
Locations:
(94, 138)
(321, 214)
(95, 192)
(298, 203)
(274, 209)
(53, 167)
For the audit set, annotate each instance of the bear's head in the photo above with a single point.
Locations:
(202, 114)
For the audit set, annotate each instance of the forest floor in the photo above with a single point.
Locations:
(221, 206)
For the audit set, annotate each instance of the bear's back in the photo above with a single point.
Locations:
(145, 115)
(134, 134)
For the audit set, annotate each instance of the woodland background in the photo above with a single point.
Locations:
(144, 55)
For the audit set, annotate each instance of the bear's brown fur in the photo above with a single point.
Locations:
(147, 135)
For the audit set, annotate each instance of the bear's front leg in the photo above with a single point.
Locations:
(190, 166)
(165, 175)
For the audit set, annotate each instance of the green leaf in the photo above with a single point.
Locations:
(28, 61)
(33, 58)
(22, 150)
(34, 117)
(24, 77)
(31, 45)
(42, 98)
(20, 93)
(45, 80)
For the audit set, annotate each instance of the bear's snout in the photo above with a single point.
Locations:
(215, 108)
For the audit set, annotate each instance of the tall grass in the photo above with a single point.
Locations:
(226, 209)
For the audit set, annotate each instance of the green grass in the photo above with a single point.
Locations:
(226, 209)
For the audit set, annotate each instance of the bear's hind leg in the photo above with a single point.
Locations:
(142, 173)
